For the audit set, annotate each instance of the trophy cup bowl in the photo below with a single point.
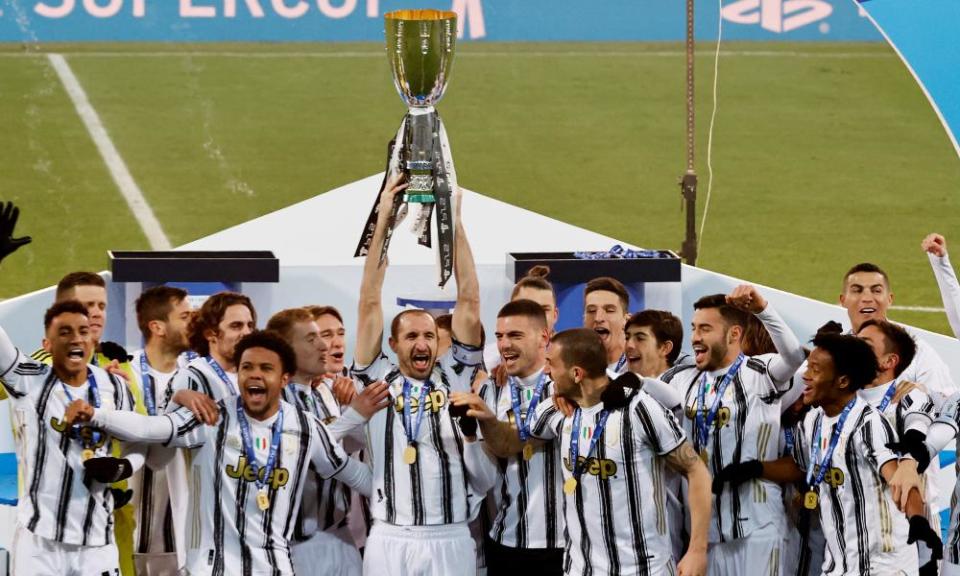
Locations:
(420, 45)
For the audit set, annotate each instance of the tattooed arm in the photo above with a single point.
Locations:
(684, 460)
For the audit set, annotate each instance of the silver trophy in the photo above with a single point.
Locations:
(420, 46)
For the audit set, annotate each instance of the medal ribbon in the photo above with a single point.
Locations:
(887, 397)
(522, 428)
(828, 454)
(704, 421)
(276, 435)
(788, 441)
(223, 375)
(410, 429)
(620, 363)
(147, 380)
(94, 394)
(575, 442)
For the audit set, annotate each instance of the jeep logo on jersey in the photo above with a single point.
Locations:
(278, 477)
(777, 15)
(722, 419)
(833, 477)
(85, 433)
(603, 469)
(434, 402)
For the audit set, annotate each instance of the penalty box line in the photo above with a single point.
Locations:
(115, 165)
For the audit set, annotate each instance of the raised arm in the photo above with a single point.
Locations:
(370, 313)
(790, 352)
(935, 246)
(466, 313)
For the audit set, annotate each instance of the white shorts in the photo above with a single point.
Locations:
(757, 554)
(36, 556)
(327, 553)
(443, 550)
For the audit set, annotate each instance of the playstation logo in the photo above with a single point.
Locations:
(777, 15)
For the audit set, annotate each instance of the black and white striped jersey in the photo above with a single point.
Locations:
(59, 503)
(325, 502)
(434, 489)
(154, 531)
(529, 491)
(200, 376)
(915, 411)
(746, 427)
(229, 533)
(616, 518)
(865, 533)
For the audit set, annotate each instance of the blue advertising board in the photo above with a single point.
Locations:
(362, 20)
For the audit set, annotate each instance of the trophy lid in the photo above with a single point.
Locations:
(420, 46)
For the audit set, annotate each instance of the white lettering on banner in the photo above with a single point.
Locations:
(472, 11)
(777, 15)
(59, 12)
(107, 11)
(373, 8)
(188, 10)
(230, 8)
(342, 12)
(284, 11)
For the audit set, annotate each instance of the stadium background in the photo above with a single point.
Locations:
(825, 150)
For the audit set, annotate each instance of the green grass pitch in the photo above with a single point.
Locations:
(824, 154)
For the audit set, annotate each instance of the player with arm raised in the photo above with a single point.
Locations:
(248, 470)
(64, 517)
(426, 473)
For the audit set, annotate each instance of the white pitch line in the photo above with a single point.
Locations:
(115, 164)
(502, 54)
(931, 309)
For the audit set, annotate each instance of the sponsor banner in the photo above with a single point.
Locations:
(362, 20)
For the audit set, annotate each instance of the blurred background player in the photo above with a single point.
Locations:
(163, 313)
(606, 305)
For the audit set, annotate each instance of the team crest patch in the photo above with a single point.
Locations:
(233, 441)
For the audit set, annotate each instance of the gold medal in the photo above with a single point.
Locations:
(410, 454)
(570, 486)
(86, 454)
(528, 451)
(810, 500)
(263, 501)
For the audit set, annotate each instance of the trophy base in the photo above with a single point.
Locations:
(420, 198)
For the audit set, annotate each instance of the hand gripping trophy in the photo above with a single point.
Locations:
(420, 45)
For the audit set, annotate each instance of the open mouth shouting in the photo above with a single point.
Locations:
(76, 354)
(700, 354)
(420, 361)
(603, 332)
(256, 391)
(510, 358)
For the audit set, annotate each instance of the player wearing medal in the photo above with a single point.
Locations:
(249, 469)
(606, 305)
(526, 534)
(614, 451)
(163, 313)
(426, 474)
(214, 331)
(867, 296)
(732, 411)
(64, 516)
(322, 543)
(842, 446)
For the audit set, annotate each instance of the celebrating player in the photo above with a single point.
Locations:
(605, 310)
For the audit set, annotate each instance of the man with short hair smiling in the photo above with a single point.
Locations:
(732, 411)
(867, 296)
(64, 516)
(842, 446)
(249, 468)
(653, 340)
(606, 304)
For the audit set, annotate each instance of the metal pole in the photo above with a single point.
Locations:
(688, 184)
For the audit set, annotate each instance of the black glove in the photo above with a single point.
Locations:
(920, 530)
(736, 474)
(114, 351)
(468, 424)
(931, 568)
(913, 444)
(121, 497)
(8, 221)
(108, 469)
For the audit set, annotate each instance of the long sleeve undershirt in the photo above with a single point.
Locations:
(790, 352)
(949, 289)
